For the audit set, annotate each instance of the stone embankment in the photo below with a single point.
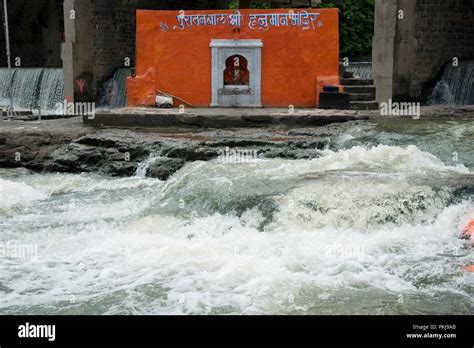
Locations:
(68, 146)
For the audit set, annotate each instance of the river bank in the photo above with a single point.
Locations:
(362, 217)
(69, 146)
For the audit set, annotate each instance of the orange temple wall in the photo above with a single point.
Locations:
(296, 61)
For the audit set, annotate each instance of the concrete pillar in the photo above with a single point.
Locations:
(50, 36)
(393, 54)
(383, 47)
(76, 51)
(67, 51)
(404, 51)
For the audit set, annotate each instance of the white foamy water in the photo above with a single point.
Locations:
(14, 194)
(364, 230)
(361, 70)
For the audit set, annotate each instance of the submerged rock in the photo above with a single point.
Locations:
(119, 168)
(163, 168)
(100, 156)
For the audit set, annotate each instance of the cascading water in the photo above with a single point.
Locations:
(51, 88)
(5, 86)
(143, 166)
(115, 90)
(456, 86)
(362, 70)
(32, 87)
(374, 219)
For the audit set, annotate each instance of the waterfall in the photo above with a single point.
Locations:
(362, 70)
(52, 88)
(114, 93)
(5, 86)
(32, 86)
(456, 86)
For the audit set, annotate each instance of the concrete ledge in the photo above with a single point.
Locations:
(219, 118)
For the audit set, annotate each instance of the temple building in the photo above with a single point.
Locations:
(241, 58)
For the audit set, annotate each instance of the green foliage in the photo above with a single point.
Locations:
(356, 26)
(262, 4)
(234, 4)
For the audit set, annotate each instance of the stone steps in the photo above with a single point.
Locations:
(362, 96)
(356, 82)
(359, 89)
(361, 92)
(346, 74)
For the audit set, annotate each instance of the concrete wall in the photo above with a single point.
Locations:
(114, 27)
(34, 33)
(410, 52)
(443, 29)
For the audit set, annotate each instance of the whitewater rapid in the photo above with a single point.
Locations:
(361, 230)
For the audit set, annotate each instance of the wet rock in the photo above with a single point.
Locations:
(59, 148)
(303, 145)
(190, 152)
(293, 154)
(75, 158)
(239, 143)
(333, 129)
(124, 141)
(30, 148)
(119, 168)
(163, 168)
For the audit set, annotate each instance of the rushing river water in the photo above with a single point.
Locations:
(372, 226)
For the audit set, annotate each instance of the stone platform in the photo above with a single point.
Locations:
(220, 117)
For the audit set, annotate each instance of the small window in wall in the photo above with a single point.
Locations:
(236, 72)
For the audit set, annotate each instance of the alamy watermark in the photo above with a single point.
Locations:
(67, 108)
(345, 250)
(28, 330)
(18, 251)
(392, 108)
(237, 156)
